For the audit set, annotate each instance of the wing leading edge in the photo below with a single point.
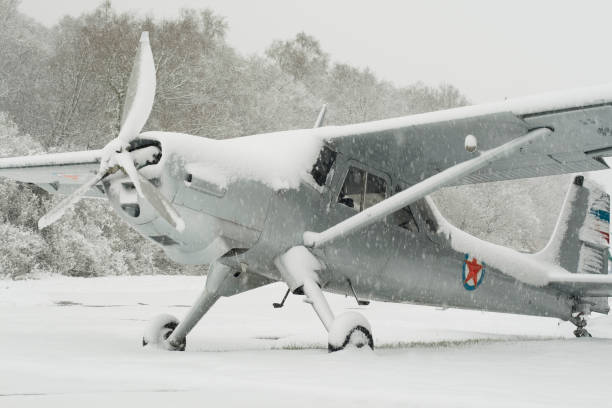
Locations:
(57, 173)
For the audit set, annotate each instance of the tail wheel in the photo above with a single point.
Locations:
(582, 332)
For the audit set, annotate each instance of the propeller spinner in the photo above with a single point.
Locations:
(115, 155)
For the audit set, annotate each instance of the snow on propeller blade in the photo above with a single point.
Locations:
(115, 155)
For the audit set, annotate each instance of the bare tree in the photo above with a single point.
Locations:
(301, 57)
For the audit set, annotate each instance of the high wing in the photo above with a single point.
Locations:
(537, 136)
(427, 151)
(57, 173)
(418, 146)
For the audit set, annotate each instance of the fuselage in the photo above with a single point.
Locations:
(244, 205)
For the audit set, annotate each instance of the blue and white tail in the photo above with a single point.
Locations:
(581, 238)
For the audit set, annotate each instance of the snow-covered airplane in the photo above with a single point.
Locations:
(345, 209)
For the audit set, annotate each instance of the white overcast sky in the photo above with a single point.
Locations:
(489, 49)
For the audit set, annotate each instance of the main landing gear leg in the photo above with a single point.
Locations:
(298, 268)
(166, 332)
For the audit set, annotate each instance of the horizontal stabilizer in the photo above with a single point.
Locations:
(583, 284)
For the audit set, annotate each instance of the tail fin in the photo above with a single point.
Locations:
(580, 240)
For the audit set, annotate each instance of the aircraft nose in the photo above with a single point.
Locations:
(125, 200)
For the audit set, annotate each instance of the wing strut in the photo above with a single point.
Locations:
(420, 190)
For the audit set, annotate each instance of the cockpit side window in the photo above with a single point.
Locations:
(351, 194)
(361, 189)
(323, 166)
(375, 189)
(405, 219)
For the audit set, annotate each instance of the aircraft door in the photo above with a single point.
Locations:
(414, 254)
(362, 255)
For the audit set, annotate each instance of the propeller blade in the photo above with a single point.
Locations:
(136, 110)
(60, 209)
(124, 159)
(140, 92)
(161, 204)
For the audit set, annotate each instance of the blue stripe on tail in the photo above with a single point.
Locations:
(601, 214)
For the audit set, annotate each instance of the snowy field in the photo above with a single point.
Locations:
(74, 342)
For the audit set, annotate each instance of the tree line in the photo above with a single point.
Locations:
(62, 88)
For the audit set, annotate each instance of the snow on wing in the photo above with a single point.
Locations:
(57, 173)
(419, 146)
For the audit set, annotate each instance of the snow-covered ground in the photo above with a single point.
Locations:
(68, 342)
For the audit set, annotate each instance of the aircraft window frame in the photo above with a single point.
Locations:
(407, 223)
(407, 218)
(374, 193)
(348, 200)
(324, 165)
(366, 171)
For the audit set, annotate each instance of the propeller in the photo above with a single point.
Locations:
(115, 155)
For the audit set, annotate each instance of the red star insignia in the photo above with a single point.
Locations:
(474, 268)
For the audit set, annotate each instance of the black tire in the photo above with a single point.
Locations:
(347, 340)
(580, 332)
(158, 335)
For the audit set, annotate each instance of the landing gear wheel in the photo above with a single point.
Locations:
(157, 332)
(350, 329)
(580, 322)
(581, 332)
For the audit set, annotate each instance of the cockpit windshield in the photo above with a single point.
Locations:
(323, 166)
